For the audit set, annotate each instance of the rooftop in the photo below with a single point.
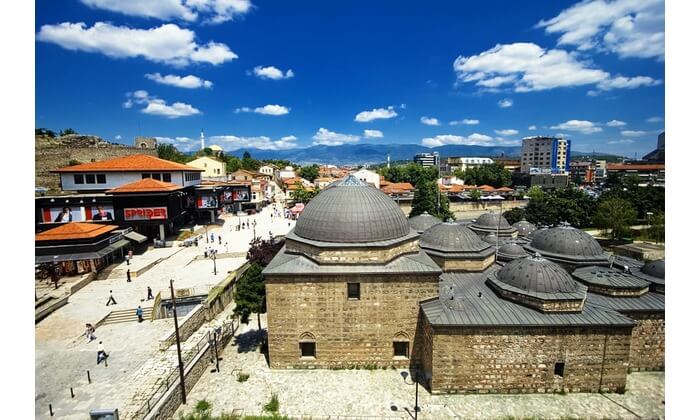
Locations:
(74, 230)
(146, 185)
(131, 163)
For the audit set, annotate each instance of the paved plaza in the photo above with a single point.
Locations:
(62, 355)
(384, 394)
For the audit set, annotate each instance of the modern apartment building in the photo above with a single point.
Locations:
(545, 155)
(462, 163)
(427, 159)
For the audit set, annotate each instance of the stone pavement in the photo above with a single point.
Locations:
(383, 393)
(62, 355)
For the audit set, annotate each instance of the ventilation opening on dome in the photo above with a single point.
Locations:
(559, 369)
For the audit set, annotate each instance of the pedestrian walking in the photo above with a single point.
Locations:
(226, 245)
(128, 275)
(101, 354)
(127, 259)
(139, 313)
(150, 293)
(111, 300)
(212, 237)
(89, 332)
(206, 252)
(219, 239)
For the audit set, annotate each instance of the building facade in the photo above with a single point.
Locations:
(213, 168)
(462, 163)
(427, 159)
(545, 155)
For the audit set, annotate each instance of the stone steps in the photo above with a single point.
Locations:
(126, 315)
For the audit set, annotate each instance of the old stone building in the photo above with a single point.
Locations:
(357, 286)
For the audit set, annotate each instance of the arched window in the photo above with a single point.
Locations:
(307, 345)
(401, 345)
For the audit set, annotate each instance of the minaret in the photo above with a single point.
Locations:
(388, 161)
(201, 139)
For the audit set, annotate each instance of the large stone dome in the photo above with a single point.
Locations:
(567, 244)
(423, 222)
(492, 222)
(524, 228)
(655, 269)
(351, 211)
(452, 237)
(537, 275)
(510, 251)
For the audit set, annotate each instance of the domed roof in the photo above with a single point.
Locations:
(655, 269)
(491, 238)
(524, 228)
(351, 211)
(490, 220)
(510, 251)
(452, 237)
(538, 275)
(423, 222)
(567, 243)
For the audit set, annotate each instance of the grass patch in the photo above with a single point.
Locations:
(242, 377)
(273, 406)
(185, 234)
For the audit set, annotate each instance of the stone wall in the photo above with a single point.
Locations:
(347, 255)
(462, 264)
(647, 349)
(472, 209)
(522, 360)
(51, 154)
(347, 332)
(187, 325)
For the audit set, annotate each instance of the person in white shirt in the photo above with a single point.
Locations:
(101, 353)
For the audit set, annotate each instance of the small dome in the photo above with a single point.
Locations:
(655, 269)
(352, 211)
(491, 238)
(510, 251)
(490, 221)
(524, 228)
(567, 243)
(452, 237)
(423, 222)
(537, 275)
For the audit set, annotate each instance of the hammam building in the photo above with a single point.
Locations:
(480, 307)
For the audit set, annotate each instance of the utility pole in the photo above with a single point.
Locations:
(177, 341)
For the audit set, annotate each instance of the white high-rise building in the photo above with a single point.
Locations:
(541, 154)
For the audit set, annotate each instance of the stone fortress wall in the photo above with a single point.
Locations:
(53, 153)
(647, 349)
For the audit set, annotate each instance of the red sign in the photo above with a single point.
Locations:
(146, 213)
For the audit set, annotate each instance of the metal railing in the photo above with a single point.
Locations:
(227, 329)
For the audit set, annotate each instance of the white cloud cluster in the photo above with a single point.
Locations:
(474, 139)
(581, 126)
(183, 144)
(465, 121)
(376, 114)
(331, 138)
(210, 11)
(157, 106)
(616, 123)
(429, 121)
(621, 141)
(258, 142)
(532, 127)
(272, 72)
(167, 43)
(654, 119)
(265, 110)
(506, 132)
(373, 134)
(628, 28)
(187, 82)
(505, 103)
(633, 133)
(527, 67)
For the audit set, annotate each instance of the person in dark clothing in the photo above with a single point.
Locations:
(101, 354)
(139, 313)
(219, 239)
(150, 293)
(128, 276)
(111, 299)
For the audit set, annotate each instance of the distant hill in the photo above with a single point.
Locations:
(365, 154)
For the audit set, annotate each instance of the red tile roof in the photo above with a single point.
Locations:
(133, 163)
(635, 167)
(74, 230)
(145, 185)
(397, 188)
(486, 188)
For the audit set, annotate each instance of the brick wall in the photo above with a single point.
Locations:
(464, 264)
(647, 349)
(347, 332)
(521, 360)
(359, 255)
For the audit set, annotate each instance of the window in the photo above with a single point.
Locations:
(167, 178)
(559, 369)
(89, 178)
(353, 290)
(144, 176)
(401, 349)
(101, 178)
(155, 176)
(308, 349)
(78, 179)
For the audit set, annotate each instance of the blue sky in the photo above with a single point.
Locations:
(280, 74)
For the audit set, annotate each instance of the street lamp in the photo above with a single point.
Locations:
(213, 257)
(415, 381)
(206, 232)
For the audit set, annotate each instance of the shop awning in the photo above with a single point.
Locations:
(135, 236)
(79, 256)
(115, 246)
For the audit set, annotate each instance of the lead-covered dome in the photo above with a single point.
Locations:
(351, 211)
(492, 222)
(452, 237)
(567, 244)
(524, 228)
(423, 222)
(654, 272)
(510, 251)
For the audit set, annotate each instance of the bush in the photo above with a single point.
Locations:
(273, 406)
(242, 377)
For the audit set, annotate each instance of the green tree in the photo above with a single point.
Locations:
(44, 132)
(67, 131)
(657, 228)
(475, 194)
(170, 152)
(410, 172)
(263, 251)
(301, 195)
(425, 199)
(615, 214)
(309, 173)
(248, 163)
(250, 294)
(514, 215)
(494, 174)
(562, 205)
(233, 163)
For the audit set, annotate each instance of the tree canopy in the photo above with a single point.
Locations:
(561, 205)
(494, 174)
(170, 152)
(411, 172)
(44, 132)
(309, 172)
(425, 199)
(615, 214)
(301, 195)
(67, 131)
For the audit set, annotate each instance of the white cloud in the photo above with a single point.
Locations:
(621, 141)
(465, 122)
(402, 106)
(633, 133)
(117, 137)
(654, 119)
(167, 43)
(231, 142)
(183, 144)
(187, 82)
(616, 123)
(265, 110)
(505, 103)
(532, 127)
(581, 126)
(506, 132)
(527, 67)
(474, 139)
(373, 134)
(330, 138)
(272, 72)
(376, 114)
(157, 106)
(429, 121)
(211, 11)
(628, 28)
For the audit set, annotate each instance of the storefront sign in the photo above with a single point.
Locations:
(77, 214)
(146, 213)
(207, 201)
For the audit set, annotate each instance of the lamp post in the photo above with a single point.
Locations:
(206, 232)
(415, 381)
(183, 393)
(213, 257)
